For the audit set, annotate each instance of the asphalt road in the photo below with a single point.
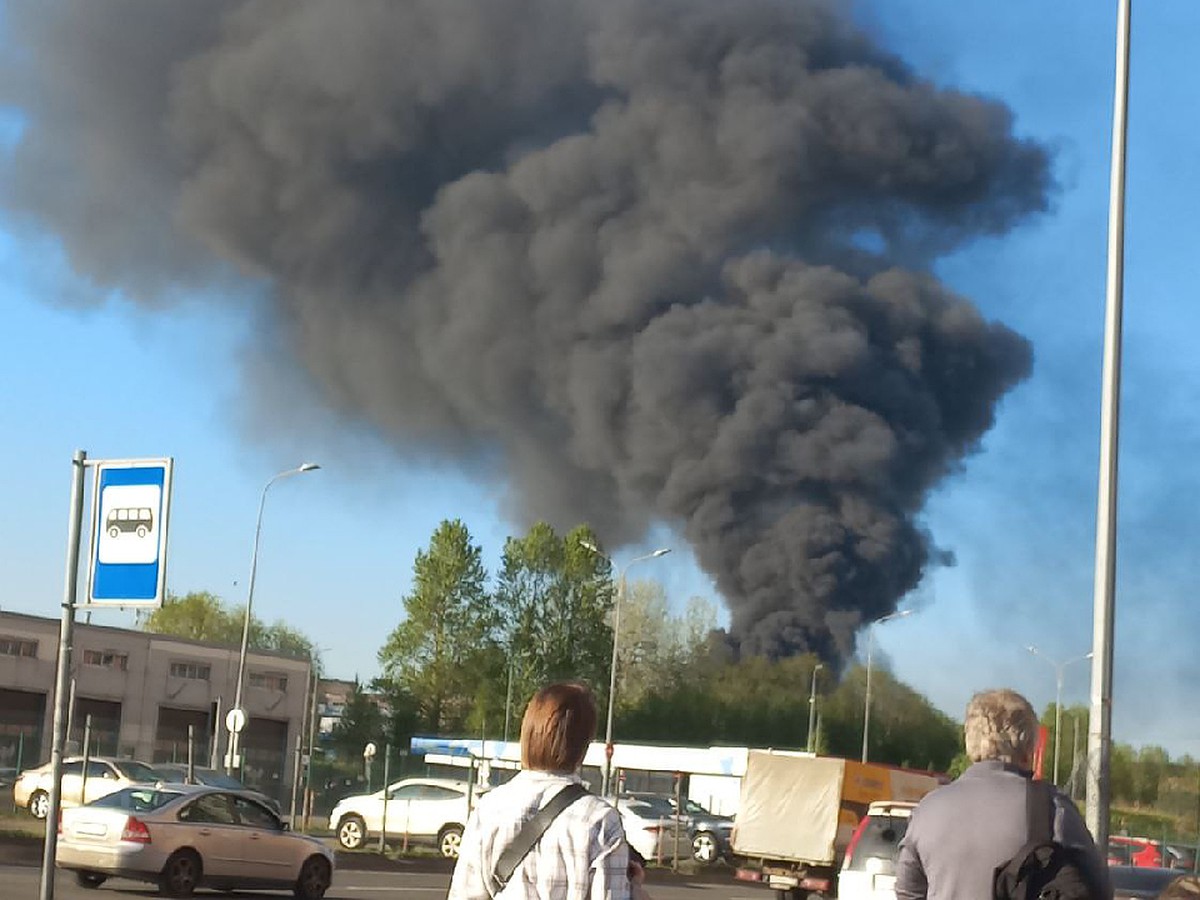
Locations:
(21, 883)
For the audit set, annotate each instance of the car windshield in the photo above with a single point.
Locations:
(136, 771)
(136, 799)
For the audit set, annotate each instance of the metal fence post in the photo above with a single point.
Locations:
(387, 758)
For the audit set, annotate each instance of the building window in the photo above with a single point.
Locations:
(13, 646)
(271, 681)
(194, 671)
(106, 659)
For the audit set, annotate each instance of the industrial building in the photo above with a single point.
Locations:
(142, 691)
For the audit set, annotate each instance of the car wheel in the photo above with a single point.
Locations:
(90, 880)
(315, 878)
(141, 531)
(180, 874)
(449, 840)
(114, 532)
(352, 832)
(705, 848)
(39, 805)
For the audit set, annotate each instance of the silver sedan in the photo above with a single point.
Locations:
(183, 836)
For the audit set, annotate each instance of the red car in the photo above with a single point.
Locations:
(1133, 851)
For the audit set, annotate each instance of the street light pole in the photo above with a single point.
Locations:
(1059, 668)
(899, 614)
(606, 783)
(812, 709)
(1104, 590)
(232, 760)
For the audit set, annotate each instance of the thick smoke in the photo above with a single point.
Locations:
(659, 260)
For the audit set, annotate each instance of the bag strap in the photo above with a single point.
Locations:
(530, 833)
(1039, 811)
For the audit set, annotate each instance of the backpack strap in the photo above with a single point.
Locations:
(1039, 811)
(530, 833)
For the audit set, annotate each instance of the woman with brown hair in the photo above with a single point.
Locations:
(582, 854)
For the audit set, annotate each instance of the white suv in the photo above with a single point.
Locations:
(869, 869)
(418, 809)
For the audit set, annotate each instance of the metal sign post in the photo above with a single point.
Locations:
(66, 631)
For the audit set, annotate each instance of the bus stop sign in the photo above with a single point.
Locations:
(131, 502)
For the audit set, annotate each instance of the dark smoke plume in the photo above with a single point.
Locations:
(658, 260)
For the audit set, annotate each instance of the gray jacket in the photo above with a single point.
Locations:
(959, 834)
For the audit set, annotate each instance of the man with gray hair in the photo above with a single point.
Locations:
(961, 833)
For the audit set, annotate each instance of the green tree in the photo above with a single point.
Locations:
(362, 721)
(448, 627)
(202, 616)
(554, 596)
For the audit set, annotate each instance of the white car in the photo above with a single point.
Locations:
(185, 836)
(651, 827)
(869, 868)
(419, 809)
(105, 774)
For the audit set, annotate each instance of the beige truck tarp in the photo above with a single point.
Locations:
(789, 807)
(801, 808)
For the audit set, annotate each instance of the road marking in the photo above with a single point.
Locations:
(395, 890)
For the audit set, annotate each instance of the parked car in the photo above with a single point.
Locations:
(105, 774)
(869, 867)
(708, 833)
(422, 809)
(185, 836)
(650, 827)
(213, 778)
(1134, 851)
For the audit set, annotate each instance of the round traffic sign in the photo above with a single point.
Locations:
(369, 751)
(235, 719)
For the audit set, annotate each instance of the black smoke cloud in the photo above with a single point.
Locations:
(660, 261)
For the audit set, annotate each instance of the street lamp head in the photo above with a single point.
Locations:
(661, 552)
(588, 545)
(309, 467)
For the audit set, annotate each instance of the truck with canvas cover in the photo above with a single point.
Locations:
(798, 813)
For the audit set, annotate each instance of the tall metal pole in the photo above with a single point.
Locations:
(508, 698)
(235, 739)
(232, 761)
(66, 630)
(867, 695)
(1100, 718)
(313, 664)
(1057, 717)
(898, 614)
(612, 687)
(612, 670)
(810, 742)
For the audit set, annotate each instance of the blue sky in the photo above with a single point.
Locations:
(98, 373)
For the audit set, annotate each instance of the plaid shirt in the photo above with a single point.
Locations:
(582, 855)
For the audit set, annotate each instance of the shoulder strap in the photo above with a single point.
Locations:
(1039, 811)
(531, 833)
